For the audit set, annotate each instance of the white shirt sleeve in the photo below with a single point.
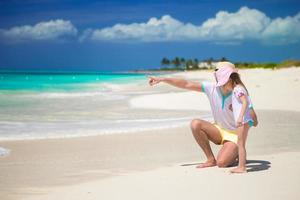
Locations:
(207, 87)
(239, 91)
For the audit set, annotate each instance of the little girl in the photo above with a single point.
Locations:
(244, 116)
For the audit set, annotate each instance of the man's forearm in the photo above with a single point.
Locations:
(180, 83)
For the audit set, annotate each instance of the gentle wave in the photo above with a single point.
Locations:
(86, 128)
(106, 90)
(78, 94)
(4, 152)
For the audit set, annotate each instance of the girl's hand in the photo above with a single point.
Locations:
(239, 122)
(255, 123)
(154, 80)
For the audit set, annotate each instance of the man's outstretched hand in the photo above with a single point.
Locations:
(154, 80)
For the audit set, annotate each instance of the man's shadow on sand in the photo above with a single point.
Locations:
(257, 165)
(251, 165)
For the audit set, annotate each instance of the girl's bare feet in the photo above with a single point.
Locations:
(239, 170)
(207, 164)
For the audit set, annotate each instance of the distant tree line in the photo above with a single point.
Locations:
(180, 63)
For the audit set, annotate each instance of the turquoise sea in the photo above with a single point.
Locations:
(43, 82)
(57, 105)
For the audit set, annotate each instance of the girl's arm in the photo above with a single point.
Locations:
(254, 117)
(243, 110)
(180, 83)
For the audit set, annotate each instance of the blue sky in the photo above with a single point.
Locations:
(122, 35)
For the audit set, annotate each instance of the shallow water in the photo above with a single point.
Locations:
(70, 105)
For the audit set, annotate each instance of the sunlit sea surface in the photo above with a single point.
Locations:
(59, 105)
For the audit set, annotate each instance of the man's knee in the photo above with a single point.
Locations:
(196, 124)
(222, 163)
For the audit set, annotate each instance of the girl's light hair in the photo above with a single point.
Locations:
(236, 80)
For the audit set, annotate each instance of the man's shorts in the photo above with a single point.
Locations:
(227, 135)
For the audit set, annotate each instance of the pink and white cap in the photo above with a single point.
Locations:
(224, 70)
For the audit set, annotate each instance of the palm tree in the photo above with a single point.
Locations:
(182, 60)
(176, 62)
(223, 59)
(195, 64)
(165, 61)
(188, 64)
(210, 60)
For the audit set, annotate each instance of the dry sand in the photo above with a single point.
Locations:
(274, 178)
(269, 90)
(161, 164)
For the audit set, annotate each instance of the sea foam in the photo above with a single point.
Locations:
(43, 130)
(4, 152)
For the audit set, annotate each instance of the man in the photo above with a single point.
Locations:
(222, 131)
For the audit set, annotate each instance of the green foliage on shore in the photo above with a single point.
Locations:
(284, 64)
(246, 65)
(289, 63)
(193, 64)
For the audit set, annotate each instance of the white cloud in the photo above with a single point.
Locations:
(225, 28)
(245, 24)
(50, 30)
(164, 29)
(283, 30)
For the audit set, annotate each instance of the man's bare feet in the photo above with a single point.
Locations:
(207, 164)
(239, 170)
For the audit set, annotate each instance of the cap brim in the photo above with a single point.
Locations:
(223, 82)
(220, 84)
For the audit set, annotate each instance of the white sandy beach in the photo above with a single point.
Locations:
(272, 179)
(160, 164)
